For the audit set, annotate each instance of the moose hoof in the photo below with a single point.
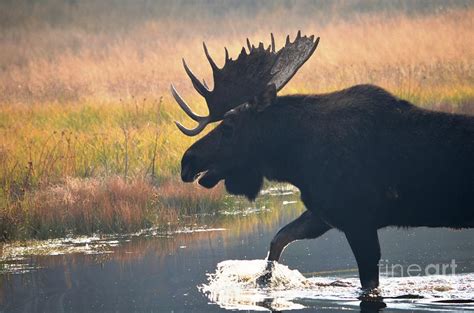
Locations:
(264, 279)
(370, 295)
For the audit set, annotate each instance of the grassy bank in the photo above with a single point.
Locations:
(87, 142)
(78, 206)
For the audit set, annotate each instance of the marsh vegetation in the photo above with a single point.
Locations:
(87, 142)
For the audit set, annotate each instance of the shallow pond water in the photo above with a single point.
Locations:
(212, 267)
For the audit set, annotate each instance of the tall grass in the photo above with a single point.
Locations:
(85, 107)
(108, 205)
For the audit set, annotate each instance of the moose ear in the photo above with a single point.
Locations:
(266, 98)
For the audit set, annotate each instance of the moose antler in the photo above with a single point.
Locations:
(245, 77)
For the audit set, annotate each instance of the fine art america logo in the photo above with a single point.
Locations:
(408, 270)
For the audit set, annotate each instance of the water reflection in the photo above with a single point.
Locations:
(167, 271)
(241, 220)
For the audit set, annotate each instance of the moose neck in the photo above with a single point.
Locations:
(282, 139)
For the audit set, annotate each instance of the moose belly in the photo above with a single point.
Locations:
(390, 206)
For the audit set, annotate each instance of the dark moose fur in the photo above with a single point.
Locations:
(362, 159)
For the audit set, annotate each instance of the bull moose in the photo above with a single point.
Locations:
(362, 158)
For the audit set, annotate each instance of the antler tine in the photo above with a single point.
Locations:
(194, 131)
(273, 42)
(204, 83)
(203, 91)
(249, 45)
(242, 54)
(287, 40)
(316, 42)
(298, 35)
(185, 106)
(227, 59)
(202, 120)
(211, 61)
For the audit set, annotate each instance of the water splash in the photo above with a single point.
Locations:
(234, 286)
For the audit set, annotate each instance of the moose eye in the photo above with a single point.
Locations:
(227, 130)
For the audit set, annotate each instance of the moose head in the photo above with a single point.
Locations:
(243, 90)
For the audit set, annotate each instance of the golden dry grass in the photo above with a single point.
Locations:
(108, 205)
(428, 57)
(88, 99)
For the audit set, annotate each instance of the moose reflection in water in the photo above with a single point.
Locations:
(362, 158)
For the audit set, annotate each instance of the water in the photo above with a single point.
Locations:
(212, 267)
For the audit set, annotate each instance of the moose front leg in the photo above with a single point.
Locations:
(307, 226)
(364, 243)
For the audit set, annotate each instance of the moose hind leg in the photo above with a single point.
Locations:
(307, 226)
(364, 243)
